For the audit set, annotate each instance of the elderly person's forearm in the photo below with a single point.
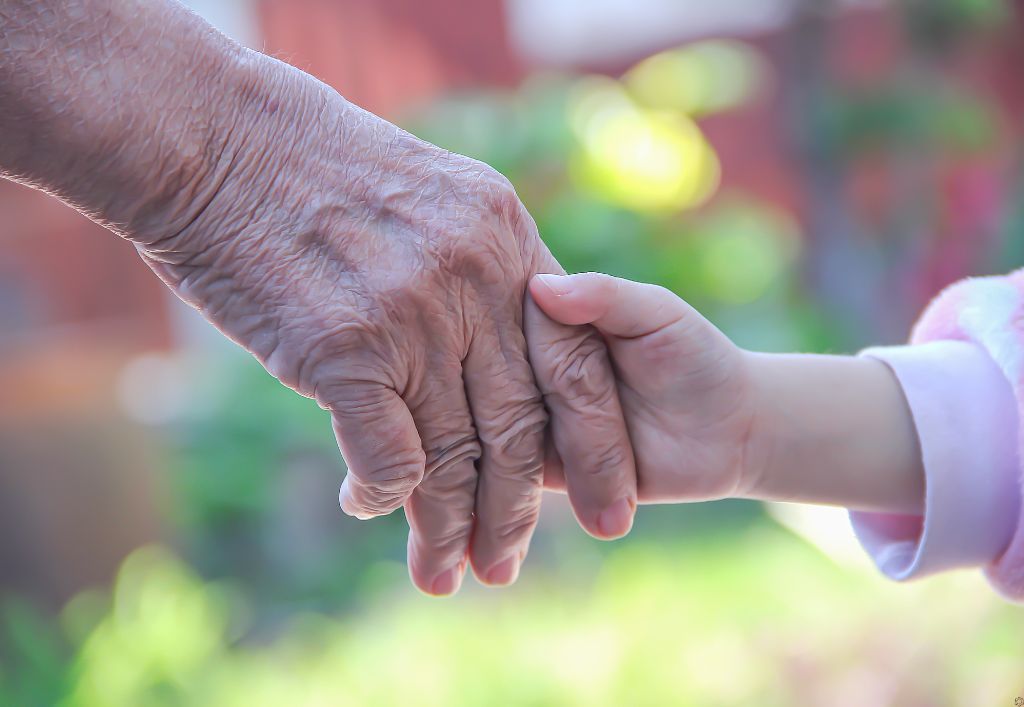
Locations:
(138, 144)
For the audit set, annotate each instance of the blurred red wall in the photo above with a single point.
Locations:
(388, 54)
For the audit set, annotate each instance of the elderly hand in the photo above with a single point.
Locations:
(380, 275)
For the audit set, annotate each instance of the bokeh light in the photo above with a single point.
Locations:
(698, 79)
(745, 249)
(636, 157)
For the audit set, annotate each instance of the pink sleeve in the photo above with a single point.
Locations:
(968, 420)
(964, 413)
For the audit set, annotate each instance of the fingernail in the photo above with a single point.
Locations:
(617, 519)
(558, 284)
(503, 573)
(446, 583)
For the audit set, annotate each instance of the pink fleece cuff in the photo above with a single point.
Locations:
(965, 415)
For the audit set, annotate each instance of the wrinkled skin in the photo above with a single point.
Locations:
(384, 277)
(380, 275)
(686, 390)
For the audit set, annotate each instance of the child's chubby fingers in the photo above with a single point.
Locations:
(617, 307)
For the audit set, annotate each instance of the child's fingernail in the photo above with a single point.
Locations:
(558, 284)
(503, 573)
(617, 519)
(446, 583)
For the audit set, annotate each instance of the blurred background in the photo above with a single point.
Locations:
(807, 173)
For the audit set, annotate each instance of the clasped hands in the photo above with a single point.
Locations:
(407, 290)
(388, 279)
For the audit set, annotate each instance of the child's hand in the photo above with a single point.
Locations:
(708, 420)
(685, 388)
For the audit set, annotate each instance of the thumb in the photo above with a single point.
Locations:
(615, 306)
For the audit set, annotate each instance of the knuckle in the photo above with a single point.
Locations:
(369, 505)
(393, 477)
(450, 484)
(505, 198)
(500, 192)
(517, 445)
(297, 353)
(580, 375)
(369, 502)
(442, 458)
(333, 361)
(482, 239)
(383, 490)
(514, 440)
(384, 457)
(503, 201)
(487, 185)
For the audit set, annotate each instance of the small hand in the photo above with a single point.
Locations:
(685, 388)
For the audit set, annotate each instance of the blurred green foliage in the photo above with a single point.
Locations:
(896, 117)
(34, 655)
(941, 25)
(760, 619)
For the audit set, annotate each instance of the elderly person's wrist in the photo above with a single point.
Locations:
(197, 145)
(219, 162)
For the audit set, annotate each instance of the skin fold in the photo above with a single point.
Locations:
(380, 275)
(709, 420)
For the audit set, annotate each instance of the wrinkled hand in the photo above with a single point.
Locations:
(685, 388)
(385, 277)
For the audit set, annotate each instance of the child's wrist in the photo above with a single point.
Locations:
(831, 429)
(762, 444)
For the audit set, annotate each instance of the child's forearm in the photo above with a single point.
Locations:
(833, 430)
